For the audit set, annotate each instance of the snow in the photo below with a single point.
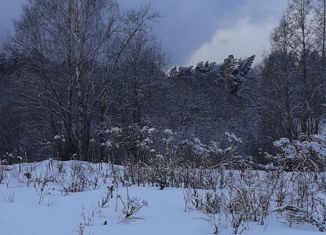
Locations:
(168, 132)
(164, 215)
(114, 130)
(232, 137)
(148, 130)
(61, 213)
(57, 137)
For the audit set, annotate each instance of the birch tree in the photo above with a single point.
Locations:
(73, 49)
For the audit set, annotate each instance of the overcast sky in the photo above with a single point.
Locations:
(195, 30)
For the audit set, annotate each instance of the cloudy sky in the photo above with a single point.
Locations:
(195, 30)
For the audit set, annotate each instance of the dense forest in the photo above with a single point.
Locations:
(82, 79)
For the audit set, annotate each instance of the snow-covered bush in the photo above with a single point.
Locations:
(10, 158)
(256, 197)
(26, 176)
(185, 163)
(161, 167)
(192, 198)
(41, 183)
(213, 152)
(77, 180)
(134, 140)
(301, 155)
(88, 217)
(130, 206)
(104, 203)
(194, 151)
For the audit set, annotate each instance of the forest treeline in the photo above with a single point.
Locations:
(82, 79)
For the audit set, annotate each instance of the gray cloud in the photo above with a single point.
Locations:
(9, 10)
(191, 30)
(187, 26)
(243, 31)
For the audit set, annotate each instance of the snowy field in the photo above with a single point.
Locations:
(38, 199)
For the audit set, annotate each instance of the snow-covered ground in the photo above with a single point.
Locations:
(27, 210)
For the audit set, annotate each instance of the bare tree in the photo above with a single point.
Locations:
(73, 50)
